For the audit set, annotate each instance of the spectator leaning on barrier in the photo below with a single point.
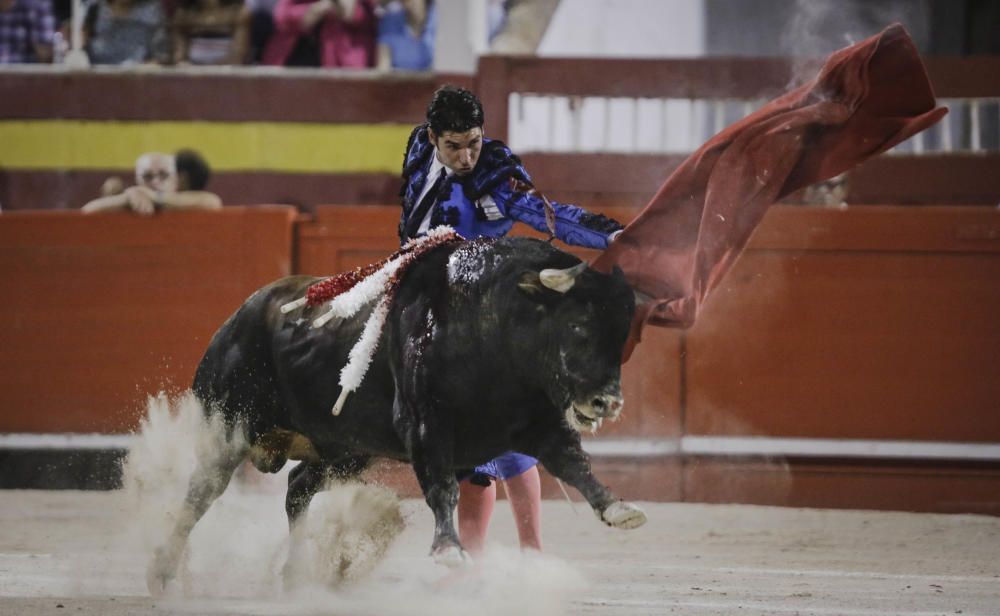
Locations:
(406, 35)
(26, 31)
(192, 169)
(193, 173)
(156, 188)
(210, 32)
(330, 33)
(127, 32)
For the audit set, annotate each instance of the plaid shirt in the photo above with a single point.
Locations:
(25, 24)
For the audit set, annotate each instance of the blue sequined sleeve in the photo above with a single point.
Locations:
(574, 225)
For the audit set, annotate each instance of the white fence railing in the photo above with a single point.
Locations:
(590, 124)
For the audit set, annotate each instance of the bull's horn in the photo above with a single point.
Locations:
(561, 280)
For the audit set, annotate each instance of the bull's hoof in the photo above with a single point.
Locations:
(451, 556)
(159, 572)
(623, 515)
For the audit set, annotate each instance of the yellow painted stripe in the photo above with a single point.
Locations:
(228, 146)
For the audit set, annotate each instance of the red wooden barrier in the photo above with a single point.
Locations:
(873, 322)
(858, 323)
(100, 311)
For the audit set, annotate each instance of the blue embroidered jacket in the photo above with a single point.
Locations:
(486, 202)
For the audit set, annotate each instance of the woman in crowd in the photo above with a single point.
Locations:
(210, 32)
(406, 35)
(330, 33)
(127, 32)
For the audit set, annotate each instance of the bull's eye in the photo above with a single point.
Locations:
(577, 329)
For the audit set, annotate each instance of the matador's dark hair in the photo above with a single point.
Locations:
(454, 109)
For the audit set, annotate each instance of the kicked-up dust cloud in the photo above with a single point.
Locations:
(359, 550)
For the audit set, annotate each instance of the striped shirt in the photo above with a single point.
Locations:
(25, 24)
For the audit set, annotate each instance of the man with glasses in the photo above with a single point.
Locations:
(155, 188)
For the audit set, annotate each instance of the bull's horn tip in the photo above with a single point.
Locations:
(561, 280)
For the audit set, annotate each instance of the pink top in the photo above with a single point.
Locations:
(348, 43)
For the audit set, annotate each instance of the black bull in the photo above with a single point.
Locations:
(489, 346)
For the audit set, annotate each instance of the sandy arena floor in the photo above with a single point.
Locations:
(85, 553)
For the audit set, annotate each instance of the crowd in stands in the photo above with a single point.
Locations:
(383, 34)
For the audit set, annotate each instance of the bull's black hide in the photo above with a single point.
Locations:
(489, 346)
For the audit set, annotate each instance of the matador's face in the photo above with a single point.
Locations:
(458, 151)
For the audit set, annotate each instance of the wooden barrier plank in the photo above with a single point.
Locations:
(231, 94)
(890, 229)
(881, 325)
(791, 483)
(100, 311)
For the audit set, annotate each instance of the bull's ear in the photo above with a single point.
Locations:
(531, 284)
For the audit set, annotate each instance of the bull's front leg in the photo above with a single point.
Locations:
(436, 476)
(564, 457)
(430, 446)
(428, 434)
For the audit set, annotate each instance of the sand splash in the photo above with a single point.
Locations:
(361, 550)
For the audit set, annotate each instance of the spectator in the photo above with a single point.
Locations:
(261, 27)
(112, 186)
(127, 32)
(406, 35)
(330, 33)
(828, 192)
(496, 18)
(26, 31)
(210, 32)
(193, 171)
(156, 188)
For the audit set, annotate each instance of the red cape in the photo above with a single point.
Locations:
(867, 98)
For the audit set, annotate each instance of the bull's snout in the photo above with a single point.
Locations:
(589, 415)
(607, 405)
